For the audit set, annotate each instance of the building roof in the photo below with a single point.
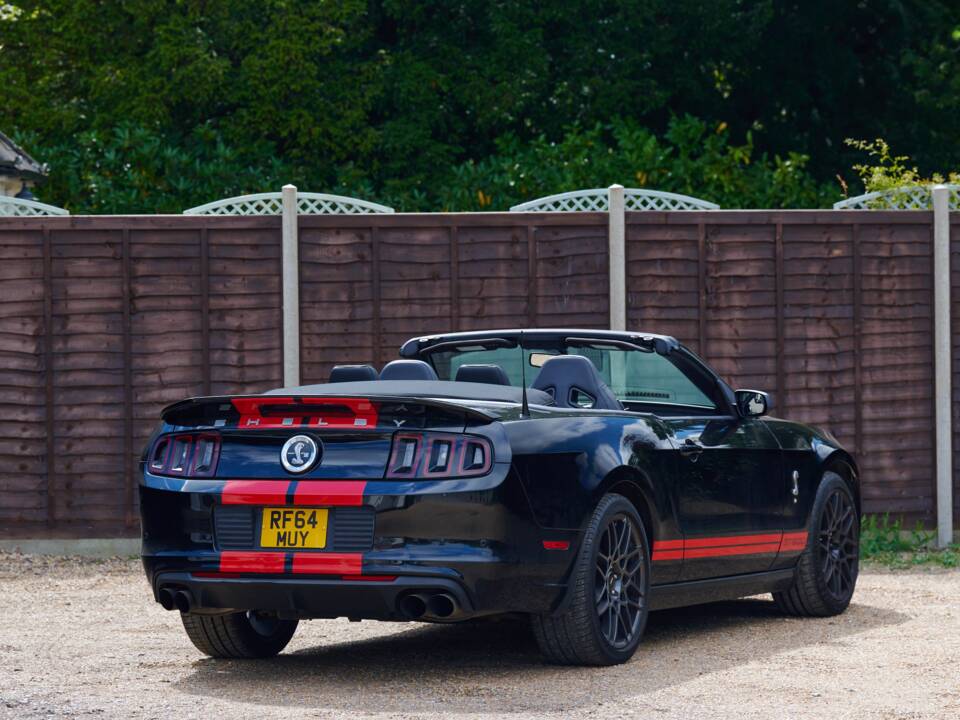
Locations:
(15, 161)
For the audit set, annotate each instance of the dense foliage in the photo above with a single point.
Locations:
(156, 105)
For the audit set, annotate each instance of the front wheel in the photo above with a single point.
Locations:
(250, 634)
(828, 567)
(610, 583)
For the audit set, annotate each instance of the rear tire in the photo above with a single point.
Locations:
(609, 587)
(828, 567)
(238, 635)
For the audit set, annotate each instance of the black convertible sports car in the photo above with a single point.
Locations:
(626, 478)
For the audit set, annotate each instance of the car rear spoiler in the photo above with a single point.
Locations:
(327, 410)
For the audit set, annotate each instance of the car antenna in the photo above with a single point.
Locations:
(524, 406)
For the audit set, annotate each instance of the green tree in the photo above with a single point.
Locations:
(387, 97)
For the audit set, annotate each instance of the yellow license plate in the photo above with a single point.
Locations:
(293, 528)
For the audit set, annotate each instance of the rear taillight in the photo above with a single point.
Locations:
(185, 455)
(428, 455)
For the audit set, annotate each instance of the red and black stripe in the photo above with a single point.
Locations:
(729, 545)
(315, 493)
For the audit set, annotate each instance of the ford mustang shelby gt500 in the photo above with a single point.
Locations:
(626, 477)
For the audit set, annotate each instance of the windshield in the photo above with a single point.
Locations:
(634, 376)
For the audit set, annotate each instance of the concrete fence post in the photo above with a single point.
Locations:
(290, 261)
(616, 209)
(942, 363)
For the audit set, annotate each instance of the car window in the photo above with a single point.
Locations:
(635, 377)
(639, 377)
(447, 363)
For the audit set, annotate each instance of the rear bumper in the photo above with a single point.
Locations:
(318, 597)
(475, 540)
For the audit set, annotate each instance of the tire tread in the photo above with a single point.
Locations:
(806, 598)
(569, 638)
(230, 636)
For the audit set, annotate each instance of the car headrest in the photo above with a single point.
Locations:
(574, 382)
(489, 374)
(352, 373)
(408, 370)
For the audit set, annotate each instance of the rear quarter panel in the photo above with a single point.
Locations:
(567, 462)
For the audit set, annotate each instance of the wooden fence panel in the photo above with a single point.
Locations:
(664, 281)
(337, 325)
(817, 377)
(493, 274)
(246, 346)
(572, 284)
(897, 367)
(105, 320)
(88, 295)
(23, 390)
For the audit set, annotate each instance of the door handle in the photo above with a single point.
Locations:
(691, 449)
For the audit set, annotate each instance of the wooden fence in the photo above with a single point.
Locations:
(104, 320)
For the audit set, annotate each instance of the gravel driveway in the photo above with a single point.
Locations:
(82, 638)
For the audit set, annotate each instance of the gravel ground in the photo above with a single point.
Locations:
(83, 638)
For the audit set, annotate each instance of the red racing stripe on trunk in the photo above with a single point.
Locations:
(252, 562)
(329, 492)
(255, 492)
(327, 563)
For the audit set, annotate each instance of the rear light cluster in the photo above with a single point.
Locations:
(185, 455)
(435, 455)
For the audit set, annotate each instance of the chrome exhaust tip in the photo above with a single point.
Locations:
(183, 601)
(412, 606)
(166, 599)
(442, 605)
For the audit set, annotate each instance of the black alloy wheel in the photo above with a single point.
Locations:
(619, 586)
(602, 619)
(837, 547)
(827, 569)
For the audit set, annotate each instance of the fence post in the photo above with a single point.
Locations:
(616, 210)
(290, 262)
(942, 363)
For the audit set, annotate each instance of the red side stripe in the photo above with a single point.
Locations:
(730, 550)
(255, 492)
(728, 545)
(668, 545)
(327, 563)
(252, 562)
(731, 540)
(329, 492)
(793, 542)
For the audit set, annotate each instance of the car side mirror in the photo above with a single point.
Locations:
(753, 403)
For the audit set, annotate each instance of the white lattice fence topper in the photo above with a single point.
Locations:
(15, 207)
(272, 204)
(597, 200)
(914, 197)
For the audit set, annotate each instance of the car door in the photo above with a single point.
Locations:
(728, 495)
(727, 487)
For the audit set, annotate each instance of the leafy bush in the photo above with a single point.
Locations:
(885, 542)
(690, 158)
(470, 105)
(135, 169)
(138, 168)
(891, 172)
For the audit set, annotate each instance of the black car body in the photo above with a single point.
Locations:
(414, 497)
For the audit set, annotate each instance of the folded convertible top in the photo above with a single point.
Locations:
(421, 389)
